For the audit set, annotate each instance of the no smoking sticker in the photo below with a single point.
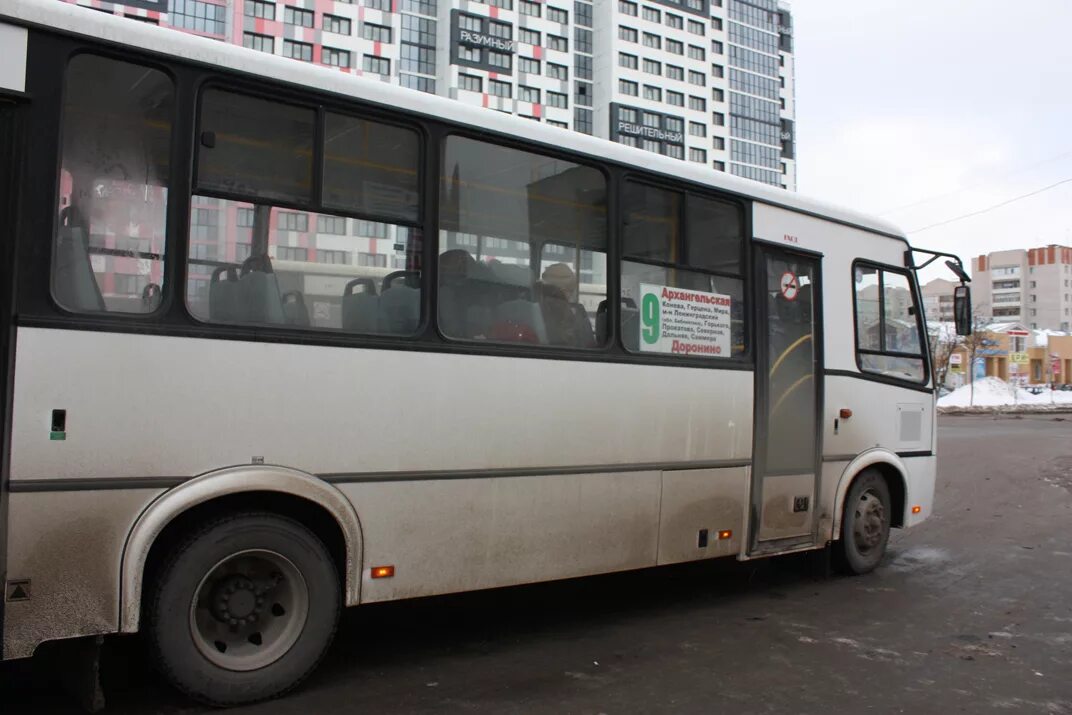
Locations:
(790, 286)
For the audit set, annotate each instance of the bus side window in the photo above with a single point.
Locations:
(523, 242)
(108, 250)
(354, 266)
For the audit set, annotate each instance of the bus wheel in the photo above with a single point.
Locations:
(865, 524)
(244, 609)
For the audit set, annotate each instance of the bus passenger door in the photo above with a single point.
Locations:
(786, 454)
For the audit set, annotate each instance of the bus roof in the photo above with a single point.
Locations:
(76, 20)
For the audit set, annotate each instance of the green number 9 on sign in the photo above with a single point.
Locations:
(649, 316)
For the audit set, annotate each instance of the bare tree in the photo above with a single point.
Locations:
(973, 343)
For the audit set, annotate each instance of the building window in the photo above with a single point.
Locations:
(528, 94)
(627, 88)
(419, 30)
(627, 8)
(653, 67)
(716, 23)
(652, 41)
(718, 95)
(697, 129)
(557, 43)
(421, 7)
(527, 64)
(697, 53)
(582, 14)
(199, 16)
(582, 94)
(696, 28)
(261, 43)
(556, 71)
(421, 84)
(698, 155)
(469, 82)
(498, 88)
(499, 59)
(527, 36)
(555, 14)
(697, 78)
(717, 47)
(532, 9)
(718, 143)
(504, 4)
(298, 17)
(557, 99)
(560, 125)
(651, 14)
(376, 65)
(334, 257)
(375, 33)
(261, 9)
(697, 104)
(655, 94)
(582, 39)
(298, 50)
(676, 99)
(675, 21)
(334, 57)
(582, 120)
(336, 24)
(675, 72)
(675, 48)
(384, 5)
(718, 165)
(582, 66)
(503, 30)
(627, 34)
(718, 119)
(334, 225)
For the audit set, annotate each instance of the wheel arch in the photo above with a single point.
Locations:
(279, 489)
(891, 468)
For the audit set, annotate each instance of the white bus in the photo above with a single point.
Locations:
(278, 340)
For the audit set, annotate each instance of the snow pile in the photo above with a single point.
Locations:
(994, 392)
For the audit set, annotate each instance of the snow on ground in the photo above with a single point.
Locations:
(994, 392)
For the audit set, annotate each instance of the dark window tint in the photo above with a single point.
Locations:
(715, 235)
(113, 187)
(370, 168)
(652, 222)
(255, 147)
(523, 246)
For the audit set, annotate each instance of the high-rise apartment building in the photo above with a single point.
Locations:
(706, 81)
(1032, 286)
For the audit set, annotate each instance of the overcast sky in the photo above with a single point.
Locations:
(967, 102)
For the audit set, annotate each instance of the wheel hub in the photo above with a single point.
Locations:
(870, 522)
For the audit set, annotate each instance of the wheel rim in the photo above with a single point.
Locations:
(249, 610)
(869, 526)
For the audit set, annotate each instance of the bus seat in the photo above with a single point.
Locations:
(259, 300)
(630, 330)
(360, 310)
(294, 309)
(74, 284)
(518, 321)
(400, 310)
(408, 278)
(223, 294)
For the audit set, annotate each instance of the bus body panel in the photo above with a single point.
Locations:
(69, 545)
(351, 411)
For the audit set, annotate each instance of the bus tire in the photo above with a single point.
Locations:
(243, 609)
(865, 524)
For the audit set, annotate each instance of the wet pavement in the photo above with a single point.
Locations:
(970, 613)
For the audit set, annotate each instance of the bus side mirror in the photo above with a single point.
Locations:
(962, 309)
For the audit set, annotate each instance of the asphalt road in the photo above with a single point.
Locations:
(971, 613)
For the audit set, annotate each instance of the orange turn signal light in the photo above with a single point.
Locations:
(917, 509)
(724, 534)
(383, 571)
